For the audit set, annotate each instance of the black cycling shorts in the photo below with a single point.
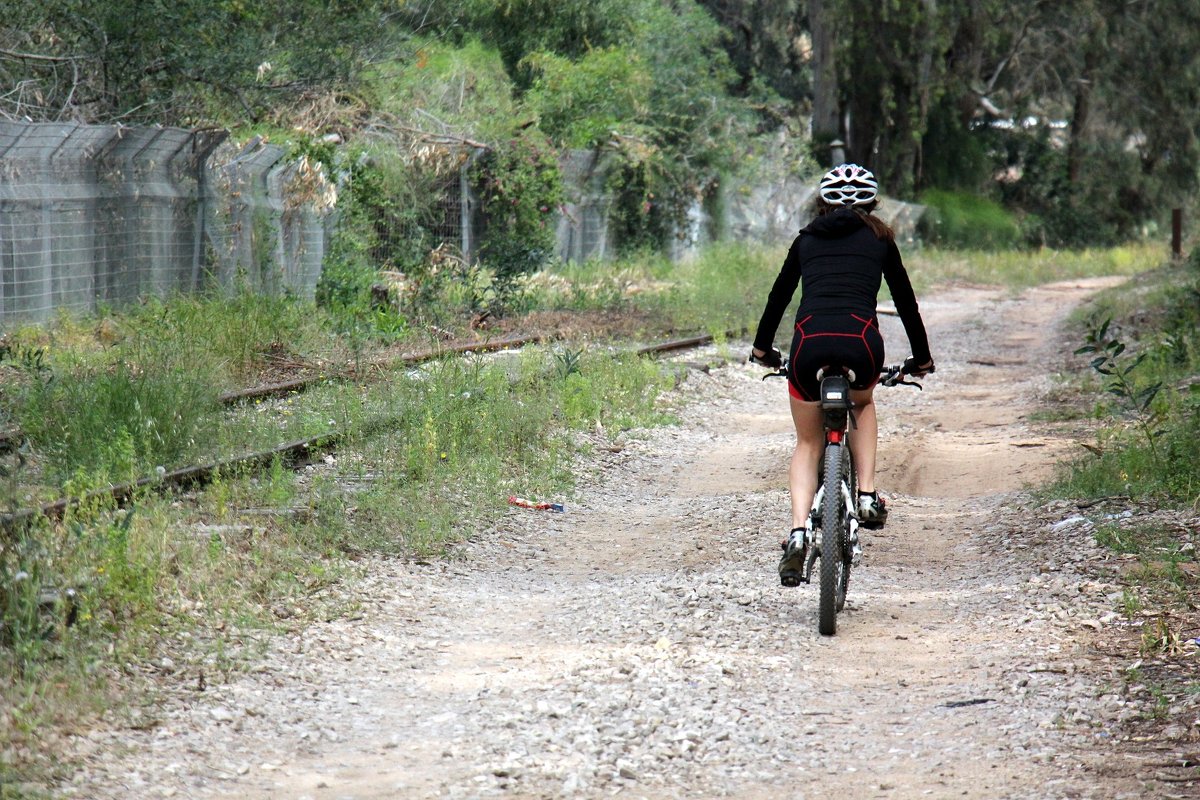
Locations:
(827, 340)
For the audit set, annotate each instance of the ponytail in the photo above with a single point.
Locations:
(881, 229)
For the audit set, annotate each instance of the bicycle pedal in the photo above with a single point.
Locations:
(855, 549)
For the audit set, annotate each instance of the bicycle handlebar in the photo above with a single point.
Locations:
(894, 376)
(889, 376)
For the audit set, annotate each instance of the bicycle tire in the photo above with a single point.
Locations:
(850, 477)
(833, 566)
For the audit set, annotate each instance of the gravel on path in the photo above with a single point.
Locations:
(639, 645)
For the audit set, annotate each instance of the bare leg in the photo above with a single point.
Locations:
(802, 476)
(864, 438)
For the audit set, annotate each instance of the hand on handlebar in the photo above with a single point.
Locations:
(894, 376)
(771, 358)
(918, 371)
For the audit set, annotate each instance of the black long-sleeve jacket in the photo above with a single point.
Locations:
(840, 263)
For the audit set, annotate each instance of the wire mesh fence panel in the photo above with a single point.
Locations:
(270, 223)
(154, 214)
(47, 220)
(93, 215)
(96, 214)
(582, 228)
(420, 199)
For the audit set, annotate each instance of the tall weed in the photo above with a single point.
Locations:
(1151, 406)
(463, 435)
(231, 337)
(722, 288)
(1020, 269)
(114, 421)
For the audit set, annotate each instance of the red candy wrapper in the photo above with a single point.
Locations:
(513, 500)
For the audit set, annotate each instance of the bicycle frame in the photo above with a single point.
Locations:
(835, 503)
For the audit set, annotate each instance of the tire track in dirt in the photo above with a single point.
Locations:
(639, 645)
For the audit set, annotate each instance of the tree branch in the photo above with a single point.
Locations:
(35, 57)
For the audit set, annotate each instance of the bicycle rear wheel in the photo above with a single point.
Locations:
(834, 520)
(850, 480)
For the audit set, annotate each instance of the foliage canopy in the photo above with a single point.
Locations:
(1082, 110)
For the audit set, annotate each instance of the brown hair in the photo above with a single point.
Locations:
(878, 227)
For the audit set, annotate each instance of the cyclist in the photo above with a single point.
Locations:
(838, 260)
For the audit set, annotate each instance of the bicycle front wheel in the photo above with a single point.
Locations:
(834, 522)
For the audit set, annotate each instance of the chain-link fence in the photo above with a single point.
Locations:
(93, 215)
(96, 215)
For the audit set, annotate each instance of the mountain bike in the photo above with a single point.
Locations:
(833, 537)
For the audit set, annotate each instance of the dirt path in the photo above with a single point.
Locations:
(639, 644)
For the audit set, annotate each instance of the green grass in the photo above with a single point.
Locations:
(721, 289)
(1019, 269)
(1150, 402)
(432, 454)
(111, 421)
(962, 220)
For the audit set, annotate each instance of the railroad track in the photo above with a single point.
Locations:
(295, 453)
(10, 438)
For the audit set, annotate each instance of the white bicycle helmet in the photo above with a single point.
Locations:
(849, 185)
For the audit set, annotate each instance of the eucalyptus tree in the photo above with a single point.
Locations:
(1102, 104)
(1076, 102)
(180, 61)
(766, 43)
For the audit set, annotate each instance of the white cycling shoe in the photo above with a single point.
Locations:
(872, 511)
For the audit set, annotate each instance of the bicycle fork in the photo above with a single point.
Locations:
(811, 539)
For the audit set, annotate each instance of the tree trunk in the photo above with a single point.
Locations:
(1081, 108)
(825, 123)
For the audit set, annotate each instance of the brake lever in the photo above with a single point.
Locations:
(780, 372)
(897, 379)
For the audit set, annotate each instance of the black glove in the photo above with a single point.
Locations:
(771, 358)
(918, 371)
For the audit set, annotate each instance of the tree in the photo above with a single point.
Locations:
(891, 69)
(826, 117)
(765, 43)
(164, 62)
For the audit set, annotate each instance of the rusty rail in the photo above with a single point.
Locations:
(186, 476)
(301, 384)
(293, 452)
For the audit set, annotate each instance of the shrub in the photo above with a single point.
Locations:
(582, 103)
(958, 219)
(1109, 201)
(521, 186)
(1152, 398)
